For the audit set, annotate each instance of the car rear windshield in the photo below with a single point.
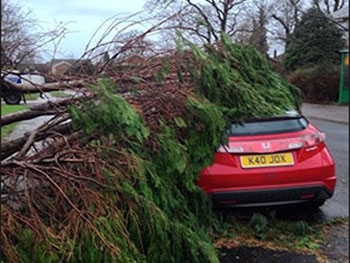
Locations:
(268, 126)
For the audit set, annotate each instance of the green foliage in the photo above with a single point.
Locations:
(166, 216)
(113, 115)
(240, 80)
(29, 250)
(302, 228)
(204, 133)
(259, 224)
(315, 40)
(171, 173)
(7, 109)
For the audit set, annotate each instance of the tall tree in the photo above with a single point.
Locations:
(284, 18)
(316, 39)
(202, 21)
(258, 38)
(15, 37)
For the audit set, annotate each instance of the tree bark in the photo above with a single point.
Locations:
(34, 88)
(24, 115)
(13, 146)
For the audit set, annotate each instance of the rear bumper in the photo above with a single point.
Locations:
(270, 197)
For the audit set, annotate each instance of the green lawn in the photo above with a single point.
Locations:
(6, 109)
(56, 94)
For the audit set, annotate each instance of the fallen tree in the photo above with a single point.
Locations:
(113, 179)
(46, 87)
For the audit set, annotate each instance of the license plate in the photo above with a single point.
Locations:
(267, 160)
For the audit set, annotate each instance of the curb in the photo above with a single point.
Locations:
(327, 119)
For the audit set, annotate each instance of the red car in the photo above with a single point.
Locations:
(273, 161)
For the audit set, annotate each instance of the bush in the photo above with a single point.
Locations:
(319, 84)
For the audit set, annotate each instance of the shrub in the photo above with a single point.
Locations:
(319, 84)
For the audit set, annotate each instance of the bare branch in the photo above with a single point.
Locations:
(205, 17)
(10, 147)
(282, 22)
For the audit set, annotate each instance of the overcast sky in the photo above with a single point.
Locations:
(83, 18)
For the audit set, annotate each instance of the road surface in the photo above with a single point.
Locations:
(337, 139)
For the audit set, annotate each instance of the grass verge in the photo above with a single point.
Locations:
(6, 109)
(56, 94)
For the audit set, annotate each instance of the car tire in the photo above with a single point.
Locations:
(12, 98)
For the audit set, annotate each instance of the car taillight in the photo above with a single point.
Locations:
(315, 138)
(308, 140)
(227, 149)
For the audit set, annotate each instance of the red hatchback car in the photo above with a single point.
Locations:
(273, 161)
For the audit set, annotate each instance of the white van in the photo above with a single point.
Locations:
(11, 96)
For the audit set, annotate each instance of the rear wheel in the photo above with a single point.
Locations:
(12, 98)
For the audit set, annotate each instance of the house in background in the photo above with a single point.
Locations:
(61, 66)
(58, 69)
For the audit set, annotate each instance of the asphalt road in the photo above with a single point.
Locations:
(337, 140)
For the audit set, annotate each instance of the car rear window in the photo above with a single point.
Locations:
(268, 126)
